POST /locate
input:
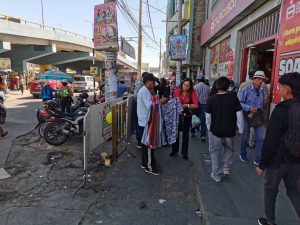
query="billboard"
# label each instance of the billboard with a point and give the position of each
(127, 48)
(106, 27)
(5, 64)
(178, 47)
(288, 44)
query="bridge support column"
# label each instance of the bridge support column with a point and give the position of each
(4, 46)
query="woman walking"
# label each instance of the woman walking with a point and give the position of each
(189, 102)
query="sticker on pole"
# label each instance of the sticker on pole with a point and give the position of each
(93, 70)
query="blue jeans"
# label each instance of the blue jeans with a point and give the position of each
(259, 138)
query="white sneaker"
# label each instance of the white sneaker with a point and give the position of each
(226, 171)
(216, 178)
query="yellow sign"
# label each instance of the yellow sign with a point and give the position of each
(93, 70)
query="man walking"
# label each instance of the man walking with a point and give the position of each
(281, 149)
(252, 101)
(202, 91)
(223, 116)
(144, 104)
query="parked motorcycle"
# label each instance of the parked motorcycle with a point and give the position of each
(64, 126)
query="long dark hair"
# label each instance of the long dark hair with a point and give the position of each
(191, 85)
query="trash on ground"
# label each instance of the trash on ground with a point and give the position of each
(3, 174)
(198, 213)
(142, 205)
(162, 201)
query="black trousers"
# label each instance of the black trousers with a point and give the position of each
(147, 159)
(290, 175)
(186, 124)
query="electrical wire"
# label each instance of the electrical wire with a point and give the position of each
(150, 20)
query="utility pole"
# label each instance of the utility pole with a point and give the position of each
(43, 22)
(178, 63)
(159, 73)
(139, 73)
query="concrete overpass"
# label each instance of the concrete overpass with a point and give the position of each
(24, 41)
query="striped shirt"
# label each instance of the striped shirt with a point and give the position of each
(202, 91)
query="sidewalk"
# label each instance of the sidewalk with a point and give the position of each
(238, 199)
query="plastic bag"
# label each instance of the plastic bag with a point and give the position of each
(195, 121)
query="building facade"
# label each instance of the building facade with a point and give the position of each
(239, 36)
(193, 16)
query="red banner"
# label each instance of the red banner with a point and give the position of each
(288, 44)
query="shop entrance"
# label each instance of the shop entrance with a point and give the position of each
(261, 58)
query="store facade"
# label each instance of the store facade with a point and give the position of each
(239, 36)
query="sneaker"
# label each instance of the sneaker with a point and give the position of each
(226, 171)
(138, 146)
(152, 171)
(4, 134)
(203, 139)
(263, 221)
(216, 178)
(143, 167)
(185, 157)
(256, 162)
(244, 158)
(193, 135)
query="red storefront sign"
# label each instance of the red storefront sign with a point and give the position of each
(224, 12)
(288, 44)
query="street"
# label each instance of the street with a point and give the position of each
(21, 118)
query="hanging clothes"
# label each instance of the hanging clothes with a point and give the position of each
(170, 115)
(153, 132)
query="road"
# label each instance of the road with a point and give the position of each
(21, 118)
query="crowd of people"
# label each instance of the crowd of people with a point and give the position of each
(227, 112)
(12, 81)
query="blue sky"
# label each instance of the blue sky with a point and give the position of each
(77, 16)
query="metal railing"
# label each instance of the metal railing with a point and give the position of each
(118, 127)
(41, 26)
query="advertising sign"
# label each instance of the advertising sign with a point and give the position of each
(5, 64)
(178, 47)
(288, 44)
(106, 27)
(127, 48)
(93, 70)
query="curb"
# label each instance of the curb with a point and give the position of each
(200, 201)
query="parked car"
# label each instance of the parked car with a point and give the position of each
(84, 82)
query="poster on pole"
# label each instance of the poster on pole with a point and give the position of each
(288, 44)
(106, 27)
(178, 47)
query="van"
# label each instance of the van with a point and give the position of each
(84, 82)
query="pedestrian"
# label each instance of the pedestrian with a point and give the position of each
(22, 84)
(252, 101)
(65, 97)
(280, 159)
(17, 78)
(232, 88)
(144, 104)
(188, 99)
(202, 91)
(223, 116)
(138, 129)
(47, 92)
(121, 89)
(2, 120)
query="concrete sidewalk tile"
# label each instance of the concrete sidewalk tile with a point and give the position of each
(238, 199)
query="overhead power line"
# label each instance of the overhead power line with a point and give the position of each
(154, 7)
(150, 20)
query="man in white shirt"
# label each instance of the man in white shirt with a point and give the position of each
(144, 104)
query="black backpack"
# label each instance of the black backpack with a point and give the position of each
(292, 136)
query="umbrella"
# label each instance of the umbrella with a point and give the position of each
(55, 75)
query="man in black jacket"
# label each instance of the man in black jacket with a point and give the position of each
(277, 163)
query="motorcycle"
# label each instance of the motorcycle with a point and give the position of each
(58, 131)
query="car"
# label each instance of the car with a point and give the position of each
(84, 82)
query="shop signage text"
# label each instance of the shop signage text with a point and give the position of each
(224, 12)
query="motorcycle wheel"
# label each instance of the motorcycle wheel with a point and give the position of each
(42, 127)
(53, 134)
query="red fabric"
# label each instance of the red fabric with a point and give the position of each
(185, 97)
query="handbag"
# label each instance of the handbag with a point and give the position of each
(193, 111)
(256, 119)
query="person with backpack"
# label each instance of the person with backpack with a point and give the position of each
(47, 92)
(65, 94)
(280, 159)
